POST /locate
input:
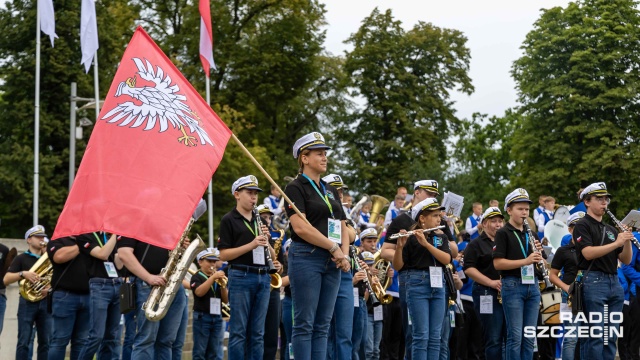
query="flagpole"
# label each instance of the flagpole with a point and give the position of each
(36, 145)
(210, 190)
(95, 84)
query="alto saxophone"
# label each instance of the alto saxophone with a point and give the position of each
(32, 291)
(276, 280)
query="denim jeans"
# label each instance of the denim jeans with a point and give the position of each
(272, 325)
(494, 328)
(71, 322)
(359, 328)
(340, 345)
(220, 346)
(249, 300)
(406, 326)
(374, 335)
(569, 341)
(32, 314)
(601, 289)
(287, 321)
(129, 334)
(154, 339)
(427, 307)
(314, 288)
(104, 309)
(176, 348)
(445, 332)
(521, 305)
(206, 330)
(3, 308)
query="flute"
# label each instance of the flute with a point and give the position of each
(409, 233)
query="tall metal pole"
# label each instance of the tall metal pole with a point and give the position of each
(95, 84)
(36, 142)
(210, 190)
(72, 135)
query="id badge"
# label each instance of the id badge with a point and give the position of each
(435, 273)
(486, 304)
(290, 351)
(258, 256)
(409, 317)
(335, 233)
(564, 308)
(452, 318)
(377, 313)
(214, 306)
(111, 269)
(356, 297)
(461, 274)
(527, 274)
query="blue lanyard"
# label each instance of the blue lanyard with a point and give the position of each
(104, 237)
(520, 243)
(324, 197)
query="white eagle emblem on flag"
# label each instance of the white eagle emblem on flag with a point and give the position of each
(161, 104)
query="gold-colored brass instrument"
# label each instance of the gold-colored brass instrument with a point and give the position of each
(276, 279)
(225, 309)
(546, 284)
(33, 291)
(378, 203)
(381, 293)
(355, 211)
(382, 266)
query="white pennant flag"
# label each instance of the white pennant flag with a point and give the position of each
(47, 19)
(88, 32)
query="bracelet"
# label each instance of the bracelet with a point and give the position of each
(334, 248)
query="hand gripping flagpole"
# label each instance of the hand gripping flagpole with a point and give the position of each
(264, 172)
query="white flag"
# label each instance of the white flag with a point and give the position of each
(47, 19)
(88, 32)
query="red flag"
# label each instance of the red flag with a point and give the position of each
(206, 36)
(151, 155)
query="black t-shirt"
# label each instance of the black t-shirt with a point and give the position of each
(4, 252)
(401, 222)
(202, 303)
(23, 262)
(88, 242)
(74, 279)
(155, 258)
(479, 254)
(236, 231)
(566, 257)
(360, 284)
(509, 244)
(309, 202)
(418, 257)
(588, 232)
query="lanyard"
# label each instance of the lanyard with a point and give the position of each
(214, 286)
(324, 190)
(32, 254)
(520, 243)
(104, 237)
(254, 231)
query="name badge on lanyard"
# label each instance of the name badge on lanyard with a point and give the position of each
(435, 273)
(527, 274)
(486, 304)
(335, 232)
(214, 306)
(377, 313)
(111, 269)
(258, 256)
(356, 297)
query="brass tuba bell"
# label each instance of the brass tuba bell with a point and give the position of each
(33, 291)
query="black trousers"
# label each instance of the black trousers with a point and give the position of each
(629, 343)
(546, 346)
(271, 326)
(392, 344)
(470, 344)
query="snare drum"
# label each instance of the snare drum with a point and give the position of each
(550, 309)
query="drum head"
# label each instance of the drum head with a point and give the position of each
(561, 214)
(554, 231)
(550, 309)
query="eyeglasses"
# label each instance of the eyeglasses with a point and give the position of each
(603, 199)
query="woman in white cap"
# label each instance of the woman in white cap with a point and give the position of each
(422, 257)
(317, 253)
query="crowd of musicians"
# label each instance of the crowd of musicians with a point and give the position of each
(317, 291)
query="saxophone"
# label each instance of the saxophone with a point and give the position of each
(32, 292)
(276, 280)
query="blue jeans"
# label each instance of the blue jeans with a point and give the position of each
(521, 305)
(494, 328)
(129, 334)
(445, 332)
(71, 322)
(287, 321)
(427, 308)
(374, 335)
(601, 289)
(206, 330)
(569, 341)
(359, 328)
(406, 326)
(104, 309)
(272, 325)
(154, 339)
(340, 345)
(176, 348)
(249, 300)
(32, 314)
(3, 308)
(314, 288)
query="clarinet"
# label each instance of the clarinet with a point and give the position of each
(372, 294)
(540, 265)
(622, 228)
(448, 275)
(267, 253)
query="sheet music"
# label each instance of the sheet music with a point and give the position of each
(453, 203)
(632, 219)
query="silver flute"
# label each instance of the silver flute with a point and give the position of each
(622, 228)
(409, 233)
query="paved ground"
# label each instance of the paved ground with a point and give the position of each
(9, 337)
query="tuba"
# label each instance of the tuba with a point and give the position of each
(378, 203)
(32, 292)
(161, 297)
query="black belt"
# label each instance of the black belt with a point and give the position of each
(253, 269)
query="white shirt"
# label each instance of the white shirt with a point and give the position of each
(469, 227)
(540, 221)
(267, 201)
(536, 214)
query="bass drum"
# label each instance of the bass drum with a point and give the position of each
(554, 231)
(550, 309)
(562, 214)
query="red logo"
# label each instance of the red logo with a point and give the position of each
(53, 248)
(494, 248)
(86, 245)
(193, 285)
(579, 238)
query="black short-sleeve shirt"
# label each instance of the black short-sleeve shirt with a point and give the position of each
(202, 303)
(74, 279)
(417, 257)
(479, 254)
(236, 231)
(401, 222)
(588, 232)
(4, 252)
(565, 258)
(88, 242)
(360, 284)
(507, 246)
(23, 262)
(309, 202)
(154, 260)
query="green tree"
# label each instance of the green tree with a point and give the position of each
(60, 66)
(404, 78)
(578, 84)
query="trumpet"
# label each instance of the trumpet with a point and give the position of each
(621, 227)
(225, 309)
(540, 265)
(409, 233)
(372, 293)
(222, 282)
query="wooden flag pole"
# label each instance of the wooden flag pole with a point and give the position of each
(264, 172)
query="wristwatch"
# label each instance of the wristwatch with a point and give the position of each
(20, 273)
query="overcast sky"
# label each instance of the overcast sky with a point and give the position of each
(495, 29)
